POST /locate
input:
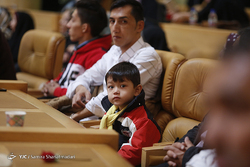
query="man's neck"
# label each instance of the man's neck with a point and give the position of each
(85, 38)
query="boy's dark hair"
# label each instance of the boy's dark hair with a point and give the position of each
(94, 14)
(137, 10)
(122, 71)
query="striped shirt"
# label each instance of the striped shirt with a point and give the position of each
(140, 53)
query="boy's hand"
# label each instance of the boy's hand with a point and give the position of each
(81, 92)
(175, 152)
(49, 88)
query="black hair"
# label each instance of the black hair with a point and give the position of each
(122, 71)
(137, 10)
(94, 14)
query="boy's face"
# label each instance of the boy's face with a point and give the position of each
(121, 93)
(124, 29)
(76, 28)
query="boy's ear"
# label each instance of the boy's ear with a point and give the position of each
(138, 89)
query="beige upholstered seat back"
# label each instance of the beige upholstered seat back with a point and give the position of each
(171, 62)
(189, 91)
(40, 56)
(41, 53)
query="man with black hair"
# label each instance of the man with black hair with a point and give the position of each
(128, 115)
(126, 24)
(88, 20)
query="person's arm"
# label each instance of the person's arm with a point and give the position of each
(191, 134)
(80, 88)
(81, 114)
(189, 154)
(60, 91)
(176, 151)
(203, 14)
(142, 137)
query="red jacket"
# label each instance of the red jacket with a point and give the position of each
(136, 128)
(81, 60)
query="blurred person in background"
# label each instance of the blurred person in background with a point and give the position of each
(229, 126)
(152, 33)
(21, 23)
(69, 46)
(195, 140)
(5, 19)
(228, 122)
(226, 10)
(7, 71)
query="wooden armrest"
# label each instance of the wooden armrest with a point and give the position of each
(163, 143)
(152, 156)
(35, 93)
(91, 124)
(14, 85)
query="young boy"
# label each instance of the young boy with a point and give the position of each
(128, 115)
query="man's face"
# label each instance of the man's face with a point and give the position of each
(229, 119)
(124, 29)
(75, 28)
(64, 21)
(120, 93)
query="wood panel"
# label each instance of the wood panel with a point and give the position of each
(59, 135)
(36, 106)
(87, 155)
(14, 85)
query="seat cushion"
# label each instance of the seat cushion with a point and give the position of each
(33, 81)
(178, 128)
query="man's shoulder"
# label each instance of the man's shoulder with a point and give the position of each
(147, 49)
(147, 53)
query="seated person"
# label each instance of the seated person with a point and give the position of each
(7, 71)
(235, 40)
(228, 131)
(126, 25)
(5, 19)
(69, 46)
(152, 33)
(128, 115)
(88, 20)
(228, 122)
(21, 23)
(196, 137)
(226, 10)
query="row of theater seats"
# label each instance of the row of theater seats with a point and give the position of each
(46, 48)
